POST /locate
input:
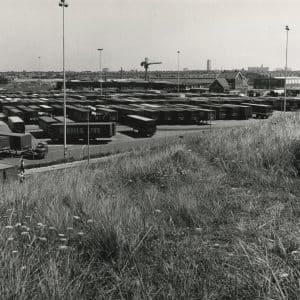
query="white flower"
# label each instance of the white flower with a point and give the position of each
(76, 217)
(80, 233)
(70, 228)
(18, 224)
(10, 239)
(24, 233)
(89, 221)
(14, 251)
(43, 239)
(61, 235)
(158, 211)
(63, 247)
(9, 227)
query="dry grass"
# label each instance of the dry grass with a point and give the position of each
(214, 216)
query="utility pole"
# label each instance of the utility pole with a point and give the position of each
(63, 4)
(178, 53)
(286, 58)
(100, 51)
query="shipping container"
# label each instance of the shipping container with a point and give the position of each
(144, 126)
(16, 124)
(79, 131)
(18, 141)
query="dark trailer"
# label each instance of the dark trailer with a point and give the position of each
(29, 114)
(260, 110)
(144, 126)
(79, 131)
(18, 141)
(12, 111)
(16, 124)
(45, 122)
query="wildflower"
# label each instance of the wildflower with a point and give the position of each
(43, 239)
(24, 227)
(61, 235)
(18, 224)
(9, 227)
(10, 239)
(295, 252)
(70, 228)
(23, 268)
(158, 211)
(198, 229)
(64, 240)
(24, 233)
(14, 251)
(63, 247)
(283, 275)
(40, 224)
(76, 217)
(216, 245)
(52, 228)
(80, 233)
(89, 221)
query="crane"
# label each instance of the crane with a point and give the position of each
(146, 65)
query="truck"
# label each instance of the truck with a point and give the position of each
(18, 141)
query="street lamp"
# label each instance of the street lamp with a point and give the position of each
(63, 4)
(90, 108)
(100, 51)
(40, 75)
(178, 53)
(286, 57)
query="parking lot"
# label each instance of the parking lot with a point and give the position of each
(124, 140)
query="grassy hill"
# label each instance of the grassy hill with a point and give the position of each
(214, 216)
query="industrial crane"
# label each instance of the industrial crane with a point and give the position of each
(146, 65)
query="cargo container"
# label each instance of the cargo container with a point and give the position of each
(4, 143)
(29, 115)
(16, 124)
(60, 119)
(260, 110)
(18, 141)
(45, 122)
(144, 126)
(79, 131)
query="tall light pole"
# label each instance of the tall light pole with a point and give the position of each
(63, 4)
(178, 53)
(39, 66)
(100, 51)
(286, 57)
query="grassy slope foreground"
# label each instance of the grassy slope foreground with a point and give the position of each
(214, 216)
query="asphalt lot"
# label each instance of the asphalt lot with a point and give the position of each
(124, 140)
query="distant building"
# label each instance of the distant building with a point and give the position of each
(260, 69)
(208, 65)
(219, 85)
(235, 79)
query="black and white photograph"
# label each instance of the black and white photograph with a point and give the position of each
(150, 149)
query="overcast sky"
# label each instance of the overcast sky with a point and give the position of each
(232, 33)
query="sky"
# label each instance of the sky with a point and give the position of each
(232, 33)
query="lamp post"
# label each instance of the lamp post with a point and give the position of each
(286, 57)
(39, 66)
(100, 51)
(91, 110)
(178, 53)
(63, 4)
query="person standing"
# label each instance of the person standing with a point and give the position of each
(22, 165)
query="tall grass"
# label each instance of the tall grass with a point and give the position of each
(214, 216)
